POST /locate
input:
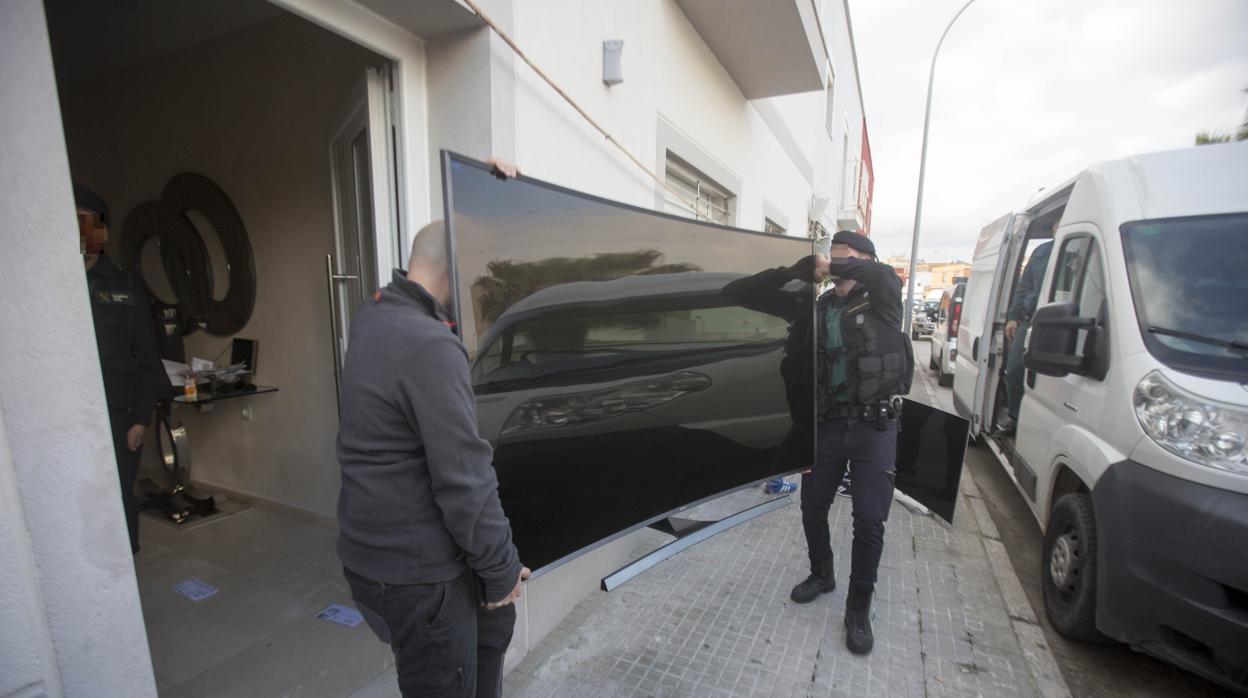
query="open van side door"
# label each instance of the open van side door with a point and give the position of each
(980, 343)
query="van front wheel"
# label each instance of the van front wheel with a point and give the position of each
(1068, 569)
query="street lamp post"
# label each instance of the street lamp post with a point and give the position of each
(908, 316)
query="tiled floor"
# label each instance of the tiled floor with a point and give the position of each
(716, 620)
(258, 635)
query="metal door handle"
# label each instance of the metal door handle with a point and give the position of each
(1070, 407)
(342, 277)
(330, 278)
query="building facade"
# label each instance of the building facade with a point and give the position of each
(767, 134)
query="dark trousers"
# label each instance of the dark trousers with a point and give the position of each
(1015, 372)
(444, 642)
(127, 472)
(870, 455)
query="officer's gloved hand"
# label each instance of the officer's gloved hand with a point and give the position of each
(811, 268)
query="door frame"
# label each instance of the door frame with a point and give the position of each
(372, 96)
(409, 139)
(367, 107)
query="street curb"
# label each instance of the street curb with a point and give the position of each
(1027, 631)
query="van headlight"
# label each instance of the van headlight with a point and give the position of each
(1191, 427)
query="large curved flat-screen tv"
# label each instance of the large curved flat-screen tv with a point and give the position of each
(616, 380)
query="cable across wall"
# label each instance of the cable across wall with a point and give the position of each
(675, 194)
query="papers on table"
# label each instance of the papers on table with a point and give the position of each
(203, 370)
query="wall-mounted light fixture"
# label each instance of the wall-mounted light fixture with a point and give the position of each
(612, 73)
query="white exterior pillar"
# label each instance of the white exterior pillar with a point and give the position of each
(69, 605)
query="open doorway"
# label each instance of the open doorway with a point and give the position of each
(1020, 301)
(265, 144)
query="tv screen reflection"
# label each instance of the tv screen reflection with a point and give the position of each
(616, 380)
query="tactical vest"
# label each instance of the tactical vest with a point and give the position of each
(878, 359)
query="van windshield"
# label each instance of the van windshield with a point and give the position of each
(1189, 278)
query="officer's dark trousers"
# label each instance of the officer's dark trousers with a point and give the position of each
(127, 472)
(870, 455)
(1015, 371)
(444, 642)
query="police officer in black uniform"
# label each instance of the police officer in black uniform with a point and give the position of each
(126, 338)
(862, 361)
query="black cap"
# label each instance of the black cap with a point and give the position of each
(85, 198)
(857, 241)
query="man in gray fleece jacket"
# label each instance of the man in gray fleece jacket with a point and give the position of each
(426, 548)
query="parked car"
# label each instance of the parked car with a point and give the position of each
(1131, 438)
(944, 335)
(924, 321)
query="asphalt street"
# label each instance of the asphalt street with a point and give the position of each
(1089, 669)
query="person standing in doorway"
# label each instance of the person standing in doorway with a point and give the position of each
(125, 335)
(1018, 319)
(425, 546)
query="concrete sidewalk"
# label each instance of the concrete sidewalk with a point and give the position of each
(716, 620)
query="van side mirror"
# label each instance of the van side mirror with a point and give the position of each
(1052, 350)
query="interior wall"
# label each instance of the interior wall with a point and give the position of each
(253, 111)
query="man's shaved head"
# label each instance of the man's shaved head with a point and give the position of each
(429, 247)
(428, 264)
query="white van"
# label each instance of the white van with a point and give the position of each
(1132, 438)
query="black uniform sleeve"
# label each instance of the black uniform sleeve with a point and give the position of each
(764, 292)
(151, 375)
(437, 394)
(880, 279)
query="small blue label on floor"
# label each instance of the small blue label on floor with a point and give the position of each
(342, 615)
(194, 589)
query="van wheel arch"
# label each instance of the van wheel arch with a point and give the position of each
(1066, 482)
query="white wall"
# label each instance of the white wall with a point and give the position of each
(70, 621)
(847, 112)
(847, 107)
(669, 74)
(253, 111)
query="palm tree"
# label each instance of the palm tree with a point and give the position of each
(1208, 137)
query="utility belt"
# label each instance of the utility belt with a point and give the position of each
(880, 412)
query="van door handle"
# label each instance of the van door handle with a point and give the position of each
(1070, 407)
(975, 350)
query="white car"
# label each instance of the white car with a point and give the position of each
(944, 336)
(1132, 437)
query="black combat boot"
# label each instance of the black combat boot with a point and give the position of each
(819, 582)
(858, 636)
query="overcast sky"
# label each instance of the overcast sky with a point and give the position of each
(1027, 93)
